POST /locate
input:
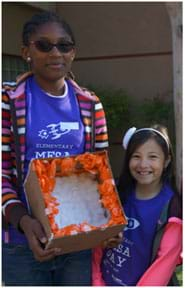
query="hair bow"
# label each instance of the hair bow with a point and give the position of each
(128, 135)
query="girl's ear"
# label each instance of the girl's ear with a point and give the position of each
(73, 54)
(167, 162)
(25, 53)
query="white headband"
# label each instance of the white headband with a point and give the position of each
(130, 132)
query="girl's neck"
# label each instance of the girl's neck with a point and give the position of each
(147, 191)
(52, 87)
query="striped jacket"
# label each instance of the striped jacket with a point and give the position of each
(13, 208)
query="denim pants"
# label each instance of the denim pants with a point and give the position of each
(21, 269)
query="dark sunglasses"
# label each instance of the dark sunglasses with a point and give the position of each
(46, 46)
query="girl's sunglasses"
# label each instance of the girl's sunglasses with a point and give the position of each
(46, 46)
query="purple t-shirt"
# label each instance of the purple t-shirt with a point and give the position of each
(124, 265)
(53, 129)
(54, 125)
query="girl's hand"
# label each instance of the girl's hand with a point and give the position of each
(113, 242)
(37, 238)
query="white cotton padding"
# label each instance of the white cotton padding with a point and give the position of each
(79, 201)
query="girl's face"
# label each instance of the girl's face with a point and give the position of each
(147, 163)
(54, 64)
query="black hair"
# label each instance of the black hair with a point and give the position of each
(37, 20)
(126, 182)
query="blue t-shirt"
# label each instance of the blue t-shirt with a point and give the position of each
(124, 265)
(54, 127)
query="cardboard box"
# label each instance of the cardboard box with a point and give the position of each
(75, 199)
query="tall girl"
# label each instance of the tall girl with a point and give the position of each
(55, 117)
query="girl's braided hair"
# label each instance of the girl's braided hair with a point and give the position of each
(37, 20)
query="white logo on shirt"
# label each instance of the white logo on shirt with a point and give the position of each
(55, 131)
(132, 224)
(116, 279)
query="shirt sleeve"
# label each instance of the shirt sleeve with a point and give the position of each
(101, 135)
(97, 279)
(168, 256)
(13, 208)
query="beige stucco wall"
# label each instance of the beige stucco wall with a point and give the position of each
(116, 28)
(108, 29)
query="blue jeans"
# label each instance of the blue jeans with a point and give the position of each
(21, 269)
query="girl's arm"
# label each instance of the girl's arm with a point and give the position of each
(168, 257)
(97, 279)
(100, 125)
(13, 208)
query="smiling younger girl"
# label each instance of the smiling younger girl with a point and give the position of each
(152, 240)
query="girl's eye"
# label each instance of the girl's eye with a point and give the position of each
(135, 156)
(153, 156)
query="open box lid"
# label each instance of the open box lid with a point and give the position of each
(36, 201)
